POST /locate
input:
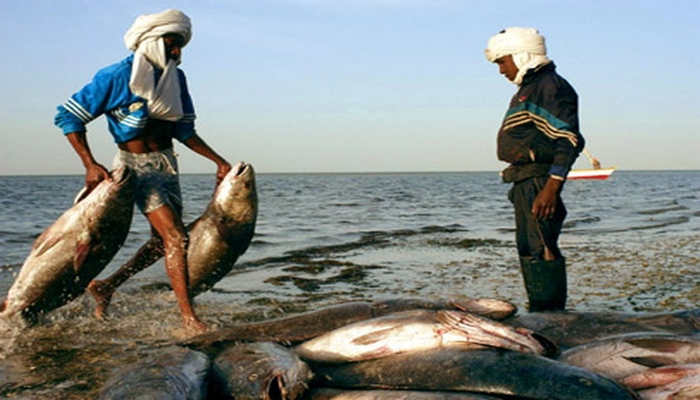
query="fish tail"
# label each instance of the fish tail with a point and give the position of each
(490, 333)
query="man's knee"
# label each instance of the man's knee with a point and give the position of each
(174, 238)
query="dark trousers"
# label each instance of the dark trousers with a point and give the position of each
(545, 281)
(531, 235)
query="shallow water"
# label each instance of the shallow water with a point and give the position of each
(631, 245)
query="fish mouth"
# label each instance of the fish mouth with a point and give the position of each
(240, 168)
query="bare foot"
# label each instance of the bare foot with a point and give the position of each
(102, 293)
(194, 325)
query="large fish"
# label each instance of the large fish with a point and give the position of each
(412, 331)
(74, 249)
(298, 328)
(225, 230)
(216, 239)
(259, 371)
(623, 355)
(491, 372)
(571, 329)
(171, 373)
(484, 307)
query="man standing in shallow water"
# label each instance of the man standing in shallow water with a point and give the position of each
(146, 102)
(540, 139)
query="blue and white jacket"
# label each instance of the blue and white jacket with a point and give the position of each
(126, 113)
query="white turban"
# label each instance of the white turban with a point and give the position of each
(145, 39)
(513, 41)
(526, 45)
(153, 26)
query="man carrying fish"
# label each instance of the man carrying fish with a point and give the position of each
(540, 139)
(147, 104)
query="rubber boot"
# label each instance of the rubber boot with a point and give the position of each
(545, 283)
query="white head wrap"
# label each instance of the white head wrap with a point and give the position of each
(145, 39)
(526, 45)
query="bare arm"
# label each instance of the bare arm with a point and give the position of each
(94, 172)
(196, 144)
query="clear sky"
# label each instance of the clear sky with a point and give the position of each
(362, 85)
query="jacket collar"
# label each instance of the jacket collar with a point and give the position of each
(535, 73)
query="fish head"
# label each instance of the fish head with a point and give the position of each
(237, 196)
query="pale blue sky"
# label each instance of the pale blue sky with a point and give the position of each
(362, 85)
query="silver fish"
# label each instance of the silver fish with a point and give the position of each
(491, 372)
(74, 249)
(297, 328)
(216, 239)
(225, 230)
(623, 355)
(171, 373)
(259, 371)
(412, 331)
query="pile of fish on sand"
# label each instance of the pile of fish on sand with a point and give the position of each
(428, 350)
(71, 252)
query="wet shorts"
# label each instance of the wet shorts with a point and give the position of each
(157, 182)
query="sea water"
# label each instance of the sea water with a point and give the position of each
(631, 244)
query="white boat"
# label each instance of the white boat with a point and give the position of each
(600, 173)
(594, 173)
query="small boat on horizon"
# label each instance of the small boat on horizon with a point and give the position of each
(594, 173)
(600, 173)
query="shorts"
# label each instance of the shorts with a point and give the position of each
(157, 181)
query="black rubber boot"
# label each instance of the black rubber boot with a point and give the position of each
(545, 283)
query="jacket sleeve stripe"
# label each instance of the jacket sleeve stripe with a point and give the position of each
(76, 109)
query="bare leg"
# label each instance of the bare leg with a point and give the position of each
(548, 254)
(171, 229)
(102, 290)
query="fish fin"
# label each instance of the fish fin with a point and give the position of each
(654, 344)
(652, 361)
(222, 230)
(235, 234)
(373, 337)
(81, 254)
(46, 242)
(551, 349)
(83, 193)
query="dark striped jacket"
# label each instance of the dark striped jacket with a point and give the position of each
(540, 132)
